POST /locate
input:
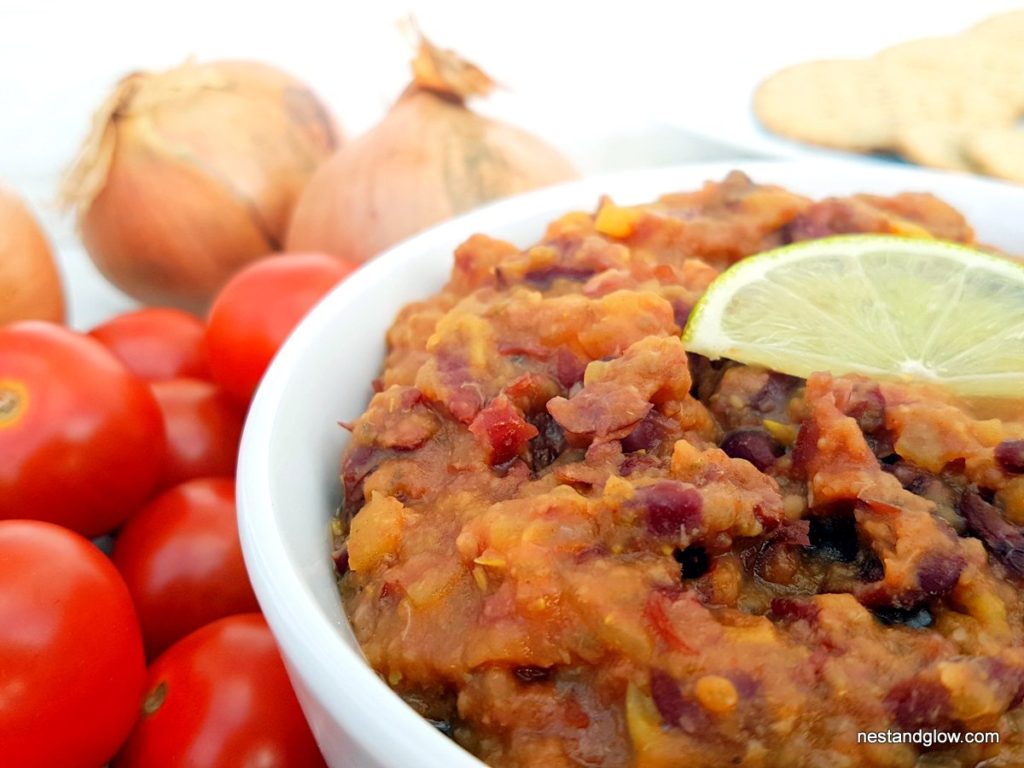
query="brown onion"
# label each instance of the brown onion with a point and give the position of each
(190, 174)
(427, 160)
(29, 281)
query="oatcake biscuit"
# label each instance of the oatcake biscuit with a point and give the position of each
(834, 103)
(998, 152)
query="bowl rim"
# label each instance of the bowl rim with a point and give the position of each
(336, 675)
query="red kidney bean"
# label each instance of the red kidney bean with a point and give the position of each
(776, 392)
(792, 609)
(671, 506)
(549, 442)
(753, 445)
(1010, 456)
(985, 521)
(676, 710)
(648, 434)
(938, 573)
(916, 704)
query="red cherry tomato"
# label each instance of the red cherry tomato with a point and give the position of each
(257, 310)
(71, 660)
(81, 439)
(156, 343)
(203, 426)
(220, 698)
(182, 561)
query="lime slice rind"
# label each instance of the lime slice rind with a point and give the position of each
(887, 307)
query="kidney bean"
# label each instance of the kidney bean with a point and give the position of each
(1010, 456)
(357, 464)
(776, 392)
(753, 445)
(549, 442)
(984, 520)
(543, 278)
(792, 609)
(938, 573)
(916, 704)
(797, 532)
(867, 407)
(667, 697)
(340, 557)
(670, 506)
(648, 434)
(806, 446)
(676, 710)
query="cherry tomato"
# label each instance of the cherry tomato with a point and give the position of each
(81, 438)
(156, 343)
(220, 698)
(257, 310)
(182, 561)
(203, 426)
(71, 660)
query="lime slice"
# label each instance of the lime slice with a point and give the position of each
(887, 307)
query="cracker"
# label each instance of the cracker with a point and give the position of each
(917, 97)
(1000, 40)
(833, 103)
(998, 152)
(1007, 28)
(925, 53)
(921, 98)
(936, 145)
(960, 54)
(953, 80)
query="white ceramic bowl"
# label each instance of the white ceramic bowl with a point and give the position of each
(288, 470)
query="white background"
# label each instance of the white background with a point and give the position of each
(616, 84)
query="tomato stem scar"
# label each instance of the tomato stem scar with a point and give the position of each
(154, 699)
(13, 401)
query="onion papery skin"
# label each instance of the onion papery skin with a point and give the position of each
(192, 173)
(429, 159)
(30, 284)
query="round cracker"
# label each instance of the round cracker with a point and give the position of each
(923, 53)
(917, 96)
(833, 103)
(1005, 27)
(997, 152)
(954, 80)
(960, 54)
(936, 145)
